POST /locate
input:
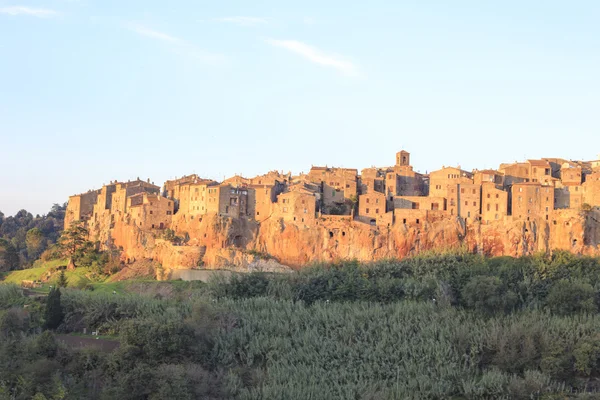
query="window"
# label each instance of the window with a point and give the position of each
(367, 210)
(462, 191)
(488, 196)
(497, 207)
(474, 204)
(377, 211)
(257, 213)
(150, 211)
(305, 211)
(466, 203)
(404, 220)
(497, 196)
(534, 170)
(417, 221)
(168, 212)
(368, 200)
(284, 209)
(152, 226)
(488, 207)
(474, 191)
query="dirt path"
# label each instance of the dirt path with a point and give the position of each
(80, 342)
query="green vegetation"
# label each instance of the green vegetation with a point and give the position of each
(433, 327)
(24, 238)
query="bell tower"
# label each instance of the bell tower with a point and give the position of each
(403, 158)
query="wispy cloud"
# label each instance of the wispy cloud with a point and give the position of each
(243, 21)
(34, 12)
(317, 56)
(177, 45)
(144, 31)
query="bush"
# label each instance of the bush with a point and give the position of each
(488, 294)
(566, 297)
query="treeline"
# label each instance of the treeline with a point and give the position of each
(562, 283)
(23, 237)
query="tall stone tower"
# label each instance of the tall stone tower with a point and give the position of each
(403, 158)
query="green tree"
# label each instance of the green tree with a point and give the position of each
(62, 280)
(35, 243)
(566, 297)
(488, 294)
(9, 257)
(74, 243)
(53, 314)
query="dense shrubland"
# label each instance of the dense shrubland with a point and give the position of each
(452, 326)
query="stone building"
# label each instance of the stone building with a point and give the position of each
(262, 197)
(531, 200)
(571, 174)
(80, 207)
(440, 180)
(150, 211)
(297, 206)
(123, 190)
(515, 173)
(464, 200)
(337, 186)
(371, 206)
(192, 197)
(488, 176)
(494, 202)
(227, 200)
(419, 203)
(592, 189)
(372, 180)
(540, 171)
(570, 196)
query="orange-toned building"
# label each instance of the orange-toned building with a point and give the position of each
(494, 202)
(531, 200)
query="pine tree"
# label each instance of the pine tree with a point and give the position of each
(54, 312)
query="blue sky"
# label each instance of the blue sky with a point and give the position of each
(92, 91)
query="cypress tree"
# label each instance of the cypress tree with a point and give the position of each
(54, 312)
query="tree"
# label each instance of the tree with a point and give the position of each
(569, 297)
(35, 242)
(53, 314)
(73, 242)
(62, 280)
(9, 257)
(487, 294)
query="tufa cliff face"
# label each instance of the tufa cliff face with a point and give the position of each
(216, 242)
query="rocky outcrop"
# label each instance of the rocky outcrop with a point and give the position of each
(215, 242)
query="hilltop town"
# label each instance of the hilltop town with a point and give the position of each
(524, 200)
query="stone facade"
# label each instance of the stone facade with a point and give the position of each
(345, 205)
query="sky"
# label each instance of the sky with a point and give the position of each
(98, 90)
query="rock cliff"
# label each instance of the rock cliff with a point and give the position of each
(215, 242)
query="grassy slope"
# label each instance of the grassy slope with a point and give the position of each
(76, 278)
